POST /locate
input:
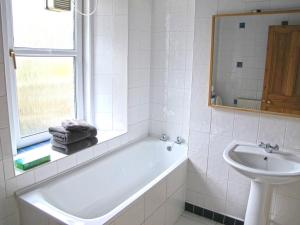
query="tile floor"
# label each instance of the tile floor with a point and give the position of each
(191, 219)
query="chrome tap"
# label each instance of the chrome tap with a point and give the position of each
(179, 140)
(268, 147)
(164, 137)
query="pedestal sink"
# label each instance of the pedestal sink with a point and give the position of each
(265, 170)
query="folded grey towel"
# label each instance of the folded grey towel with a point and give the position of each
(63, 136)
(73, 125)
(74, 147)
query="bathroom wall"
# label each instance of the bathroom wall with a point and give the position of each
(110, 67)
(177, 109)
(139, 18)
(211, 183)
(171, 67)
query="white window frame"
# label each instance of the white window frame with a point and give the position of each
(7, 22)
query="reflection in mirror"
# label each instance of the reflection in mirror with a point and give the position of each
(256, 61)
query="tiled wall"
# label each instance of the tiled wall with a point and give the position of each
(139, 26)
(178, 102)
(139, 60)
(211, 183)
(162, 204)
(110, 65)
(171, 66)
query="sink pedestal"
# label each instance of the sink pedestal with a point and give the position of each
(259, 204)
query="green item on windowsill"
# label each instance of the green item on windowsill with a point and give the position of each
(32, 160)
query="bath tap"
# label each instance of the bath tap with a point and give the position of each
(164, 137)
(268, 147)
(179, 140)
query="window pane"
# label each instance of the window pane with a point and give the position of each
(36, 27)
(46, 92)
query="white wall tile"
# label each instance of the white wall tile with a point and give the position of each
(222, 122)
(196, 182)
(235, 208)
(5, 141)
(286, 210)
(105, 8)
(236, 177)
(238, 191)
(195, 198)
(272, 129)
(292, 140)
(120, 7)
(11, 186)
(2, 182)
(9, 169)
(3, 113)
(290, 190)
(200, 123)
(8, 207)
(172, 38)
(215, 204)
(246, 126)
(198, 141)
(160, 41)
(231, 6)
(2, 79)
(1, 46)
(12, 219)
(206, 8)
(276, 4)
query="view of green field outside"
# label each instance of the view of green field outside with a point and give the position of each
(45, 92)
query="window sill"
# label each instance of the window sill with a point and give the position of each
(54, 155)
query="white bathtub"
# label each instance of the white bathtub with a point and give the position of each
(99, 191)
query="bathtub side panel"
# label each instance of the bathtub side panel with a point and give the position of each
(30, 215)
(176, 179)
(168, 212)
(175, 206)
(176, 194)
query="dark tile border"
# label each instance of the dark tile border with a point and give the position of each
(217, 217)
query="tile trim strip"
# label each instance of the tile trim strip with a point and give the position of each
(208, 214)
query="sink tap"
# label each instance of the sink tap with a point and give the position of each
(268, 147)
(164, 137)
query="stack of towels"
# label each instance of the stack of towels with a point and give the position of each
(72, 136)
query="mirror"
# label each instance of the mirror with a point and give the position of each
(255, 64)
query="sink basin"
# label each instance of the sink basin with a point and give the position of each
(264, 169)
(253, 162)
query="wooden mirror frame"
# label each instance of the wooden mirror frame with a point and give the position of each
(213, 35)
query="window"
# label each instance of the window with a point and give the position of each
(48, 76)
